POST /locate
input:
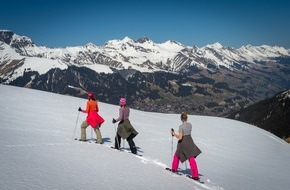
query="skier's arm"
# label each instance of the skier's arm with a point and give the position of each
(80, 109)
(86, 110)
(120, 115)
(178, 136)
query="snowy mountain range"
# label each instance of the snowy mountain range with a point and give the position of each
(142, 54)
(38, 150)
(218, 78)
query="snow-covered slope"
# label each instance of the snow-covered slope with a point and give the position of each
(38, 151)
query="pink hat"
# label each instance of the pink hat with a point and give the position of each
(122, 101)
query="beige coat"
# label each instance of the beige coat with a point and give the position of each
(125, 129)
(186, 148)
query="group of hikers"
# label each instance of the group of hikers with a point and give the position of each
(186, 148)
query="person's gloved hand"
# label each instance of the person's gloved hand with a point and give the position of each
(172, 132)
(80, 109)
(114, 120)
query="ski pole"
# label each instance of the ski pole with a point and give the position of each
(116, 138)
(186, 168)
(76, 125)
(91, 133)
(171, 146)
(172, 130)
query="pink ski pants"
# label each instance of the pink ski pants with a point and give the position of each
(192, 162)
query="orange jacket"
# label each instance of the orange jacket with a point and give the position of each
(92, 106)
(93, 118)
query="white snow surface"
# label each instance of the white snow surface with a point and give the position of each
(38, 151)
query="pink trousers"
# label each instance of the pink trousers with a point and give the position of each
(192, 162)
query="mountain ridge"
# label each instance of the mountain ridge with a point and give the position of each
(131, 53)
(165, 77)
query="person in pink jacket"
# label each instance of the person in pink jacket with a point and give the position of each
(125, 129)
(93, 118)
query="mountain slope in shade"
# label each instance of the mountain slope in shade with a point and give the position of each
(271, 114)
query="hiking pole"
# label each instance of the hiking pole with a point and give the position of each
(186, 168)
(91, 133)
(172, 130)
(116, 138)
(76, 124)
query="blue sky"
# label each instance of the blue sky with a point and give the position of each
(77, 22)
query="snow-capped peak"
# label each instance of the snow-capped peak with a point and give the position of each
(216, 45)
(127, 40)
(21, 39)
(90, 45)
(143, 40)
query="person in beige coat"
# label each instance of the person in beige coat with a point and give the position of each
(125, 129)
(186, 148)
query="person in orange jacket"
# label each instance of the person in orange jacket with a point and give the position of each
(93, 118)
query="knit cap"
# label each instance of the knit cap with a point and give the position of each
(122, 101)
